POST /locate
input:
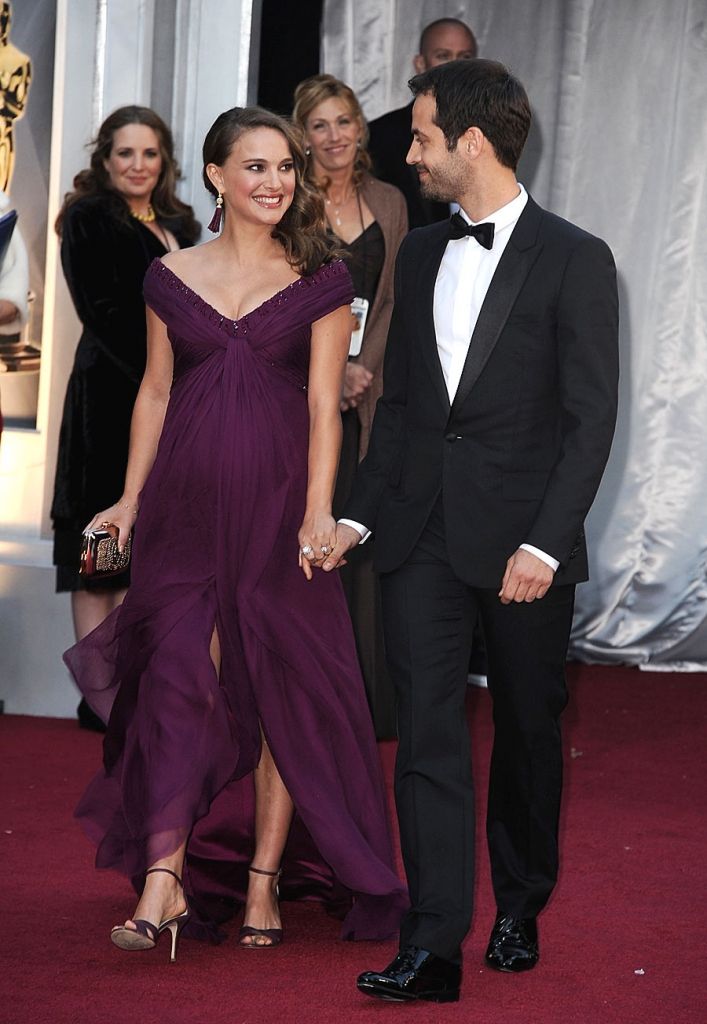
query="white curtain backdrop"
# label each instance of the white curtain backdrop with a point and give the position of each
(619, 146)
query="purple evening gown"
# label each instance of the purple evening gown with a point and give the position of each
(215, 544)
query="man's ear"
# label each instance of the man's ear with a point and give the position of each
(472, 142)
(419, 64)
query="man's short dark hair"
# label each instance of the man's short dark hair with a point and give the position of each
(428, 29)
(483, 94)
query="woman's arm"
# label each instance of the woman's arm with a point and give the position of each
(145, 428)
(394, 223)
(104, 264)
(329, 349)
(390, 210)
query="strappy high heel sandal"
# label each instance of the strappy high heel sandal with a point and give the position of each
(274, 934)
(145, 934)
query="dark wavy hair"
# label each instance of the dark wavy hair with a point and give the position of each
(313, 91)
(302, 230)
(478, 93)
(94, 180)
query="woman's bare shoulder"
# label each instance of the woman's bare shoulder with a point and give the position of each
(182, 259)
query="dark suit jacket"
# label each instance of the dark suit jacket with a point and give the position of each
(390, 138)
(519, 455)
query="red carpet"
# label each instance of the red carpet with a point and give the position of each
(623, 939)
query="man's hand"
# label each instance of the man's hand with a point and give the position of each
(527, 578)
(346, 538)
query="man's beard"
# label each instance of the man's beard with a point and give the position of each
(438, 191)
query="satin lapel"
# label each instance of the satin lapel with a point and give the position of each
(427, 276)
(513, 268)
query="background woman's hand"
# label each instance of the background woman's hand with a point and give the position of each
(123, 515)
(357, 380)
(317, 537)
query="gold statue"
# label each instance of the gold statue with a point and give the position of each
(15, 77)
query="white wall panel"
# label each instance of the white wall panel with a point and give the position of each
(108, 53)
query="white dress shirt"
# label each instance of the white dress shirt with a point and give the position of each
(463, 279)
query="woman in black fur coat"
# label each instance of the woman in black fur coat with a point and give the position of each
(122, 213)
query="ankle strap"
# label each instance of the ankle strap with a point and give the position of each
(166, 872)
(259, 871)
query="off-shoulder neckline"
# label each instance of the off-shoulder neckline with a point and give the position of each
(326, 270)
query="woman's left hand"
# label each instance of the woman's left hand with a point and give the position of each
(317, 537)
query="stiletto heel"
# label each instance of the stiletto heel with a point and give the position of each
(273, 934)
(145, 934)
(175, 926)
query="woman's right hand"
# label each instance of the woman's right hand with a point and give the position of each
(123, 515)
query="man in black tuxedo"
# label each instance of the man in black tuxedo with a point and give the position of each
(484, 460)
(389, 136)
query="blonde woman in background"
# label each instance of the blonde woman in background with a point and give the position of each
(369, 219)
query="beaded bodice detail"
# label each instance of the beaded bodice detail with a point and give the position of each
(296, 291)
(278, 331)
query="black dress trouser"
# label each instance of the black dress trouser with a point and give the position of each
(428, 615)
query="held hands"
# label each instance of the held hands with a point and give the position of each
(317, 537)
(527, 578)
(123, 515)
(346, 539)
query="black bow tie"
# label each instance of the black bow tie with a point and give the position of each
(483, 233)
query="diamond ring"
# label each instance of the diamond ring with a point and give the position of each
(307, 549)
(325, 549)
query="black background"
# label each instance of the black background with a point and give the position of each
(289, 50)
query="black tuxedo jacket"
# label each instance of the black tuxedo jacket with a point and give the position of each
(390, 138)
(519, 454)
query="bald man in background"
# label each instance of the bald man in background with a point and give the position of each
(390, 135)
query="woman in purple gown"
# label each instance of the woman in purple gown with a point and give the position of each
(229, 676)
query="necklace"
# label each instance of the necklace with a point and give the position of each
(145, 218)
(338, 207)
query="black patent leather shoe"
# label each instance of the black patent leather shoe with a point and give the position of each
(513, 945)
(414, 974)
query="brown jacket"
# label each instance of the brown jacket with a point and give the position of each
(387, 205)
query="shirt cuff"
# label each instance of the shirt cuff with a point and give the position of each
(365, 533)
(543, 556)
